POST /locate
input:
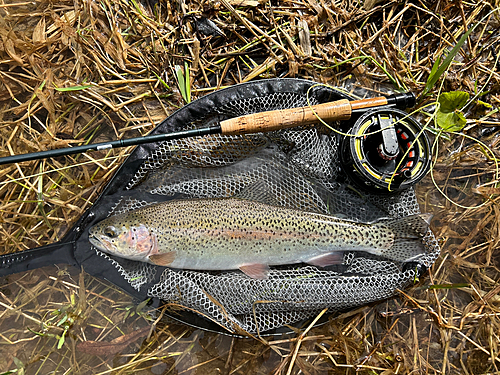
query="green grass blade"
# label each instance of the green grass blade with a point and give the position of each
(72, 88)
(434, 68)
(449, 286)
(436, 72)
(162, 81)
(188, 82)
(184, 88)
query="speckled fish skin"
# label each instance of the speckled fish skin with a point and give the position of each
(226, 234)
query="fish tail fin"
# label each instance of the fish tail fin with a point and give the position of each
(408, 233)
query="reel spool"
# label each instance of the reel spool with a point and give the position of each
(370, 160)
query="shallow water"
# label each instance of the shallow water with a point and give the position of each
(38, 300)
(449, 321)
(400, 334)
(449, 327)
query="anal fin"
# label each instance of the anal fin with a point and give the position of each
(255, 270)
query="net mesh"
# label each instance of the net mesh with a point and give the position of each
(297, 168)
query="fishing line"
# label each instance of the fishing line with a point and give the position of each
(370, 172)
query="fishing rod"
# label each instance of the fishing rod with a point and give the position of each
(339, 110)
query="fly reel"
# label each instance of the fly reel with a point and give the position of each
(385, 144)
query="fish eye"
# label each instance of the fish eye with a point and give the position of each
(111, 231)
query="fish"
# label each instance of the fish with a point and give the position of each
(234, 233)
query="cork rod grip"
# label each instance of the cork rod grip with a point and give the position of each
(286, 118)
(368, 103)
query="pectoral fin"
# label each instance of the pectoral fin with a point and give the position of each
(324, 260)
(255, 270)
(163, 259)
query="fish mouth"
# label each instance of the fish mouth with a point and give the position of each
(96, 241)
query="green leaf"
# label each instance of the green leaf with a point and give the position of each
(451, 101)
(60, 343)
(449, 117)
(18, 362)
(141, 306)
(19, 365)
(487, 105)
(64, 318)
(451, 121)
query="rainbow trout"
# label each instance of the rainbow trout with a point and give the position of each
(231, 233)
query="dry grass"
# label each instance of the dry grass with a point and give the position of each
(86, 71)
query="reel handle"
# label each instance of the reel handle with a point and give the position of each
(288, 118)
